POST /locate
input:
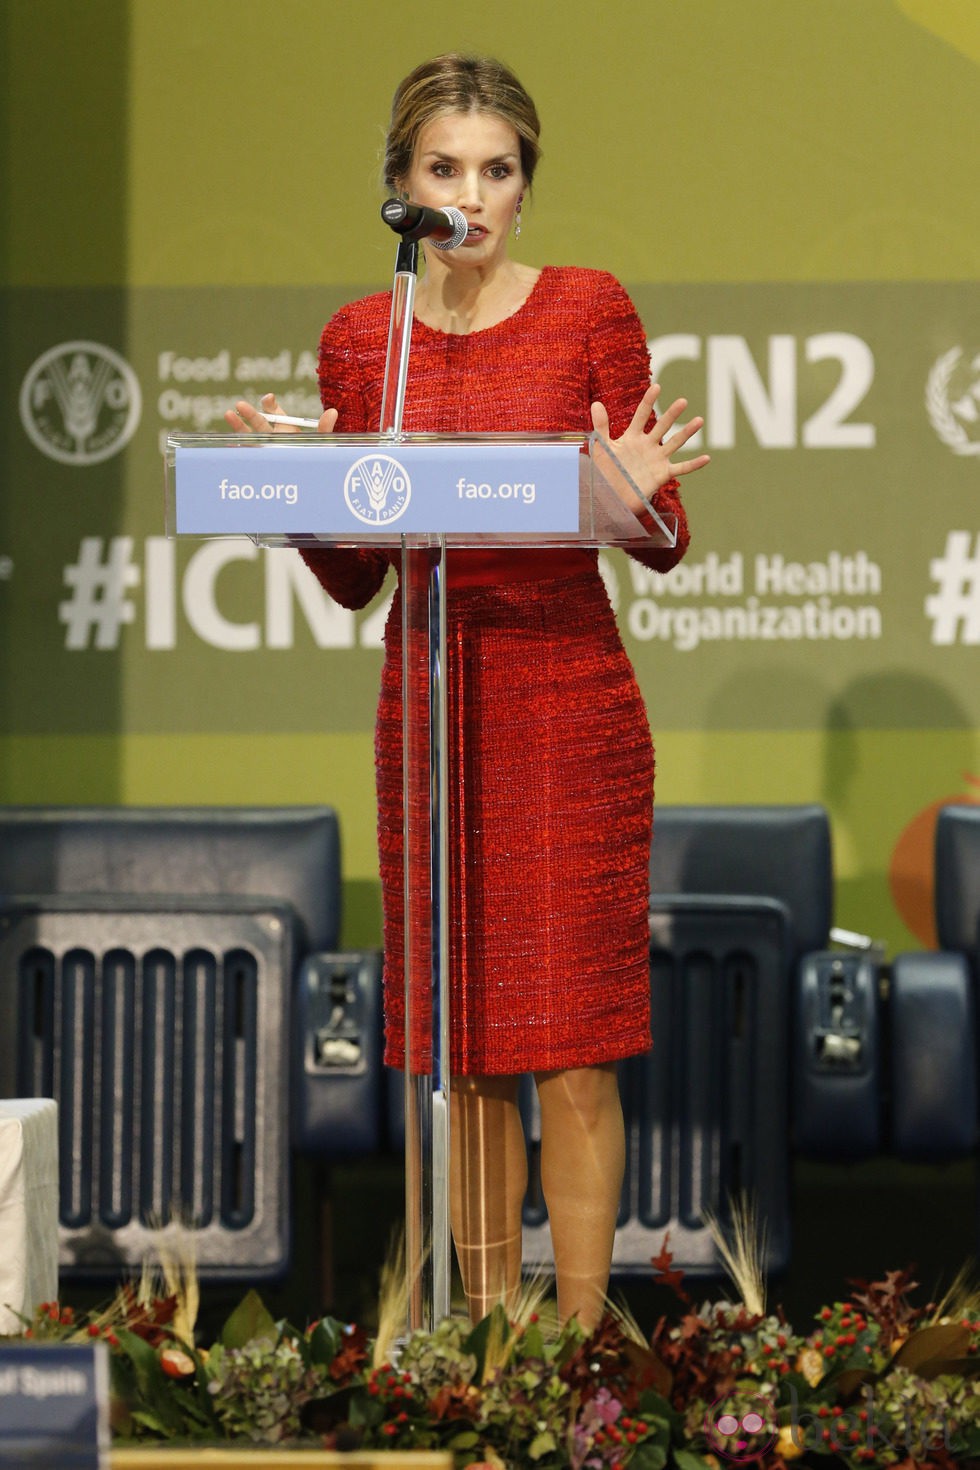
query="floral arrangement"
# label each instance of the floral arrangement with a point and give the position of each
(876, 1380)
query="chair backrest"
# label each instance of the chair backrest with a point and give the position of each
(290, 854)
(147, 963)
(777, 852)
(958, 878)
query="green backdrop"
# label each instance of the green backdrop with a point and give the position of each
(788, 189)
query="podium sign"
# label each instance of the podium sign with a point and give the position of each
(357, 490)
(54, 1406)
(423, 493)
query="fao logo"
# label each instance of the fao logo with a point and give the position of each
(80, 403)
(953, 400)
(377, 489)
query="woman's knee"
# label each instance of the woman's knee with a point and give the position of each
(502, 1089)
(589, 1094)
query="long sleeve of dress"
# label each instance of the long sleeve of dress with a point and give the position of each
(619, 375)
(351, 575)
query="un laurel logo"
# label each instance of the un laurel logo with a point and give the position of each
(80, 403)
(377, 489)
(952, 399)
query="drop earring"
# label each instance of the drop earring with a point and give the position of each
(517, 218)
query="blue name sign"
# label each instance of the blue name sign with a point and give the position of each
(54, 1406)
(358, 491)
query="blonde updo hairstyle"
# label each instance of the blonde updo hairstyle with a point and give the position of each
(457, 83)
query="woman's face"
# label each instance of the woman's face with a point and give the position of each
(470, 161)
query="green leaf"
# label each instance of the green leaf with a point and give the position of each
(154, 1388)
(541, 1444)
(325, 1340)
(249, 1320)
(794, 1388)
(688, 1460)
(966, 1441)
(197, 1407)
(532, 1342)
(148, 1421)
(653, 1405)
(649, 1456)
(495, 1324)
(467, 1440)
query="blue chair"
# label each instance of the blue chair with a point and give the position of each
(172, 980)
(739, 897)
(933, 1010)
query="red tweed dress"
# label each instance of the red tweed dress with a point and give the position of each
(551, 760)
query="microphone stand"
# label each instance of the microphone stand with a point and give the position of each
(428, 1246)
(399, 337)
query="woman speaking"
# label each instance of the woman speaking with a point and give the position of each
(550, 755)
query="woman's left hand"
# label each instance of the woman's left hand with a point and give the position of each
(648, 457)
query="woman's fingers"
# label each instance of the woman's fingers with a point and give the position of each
(677, 441)
(688, 466)
(246, 418)
(644, 409)
(669, 417)
(270, 404)
(681, 435)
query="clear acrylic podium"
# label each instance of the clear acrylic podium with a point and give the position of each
(421, 495)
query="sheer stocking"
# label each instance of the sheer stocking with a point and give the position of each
(583, 1155)
(487, 1181)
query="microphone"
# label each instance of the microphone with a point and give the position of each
(446, 228)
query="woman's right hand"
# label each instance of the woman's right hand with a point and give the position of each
(245, 418)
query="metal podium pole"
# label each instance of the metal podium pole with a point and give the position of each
(426, 852)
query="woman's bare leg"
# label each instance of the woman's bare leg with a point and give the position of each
(583, 1155)
(487, 1183)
